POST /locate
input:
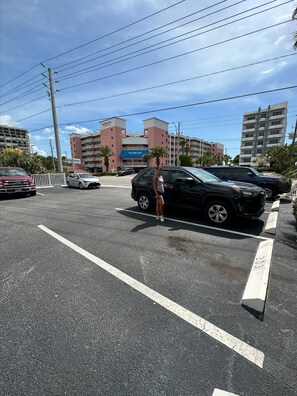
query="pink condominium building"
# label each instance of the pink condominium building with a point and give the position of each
(128, 149)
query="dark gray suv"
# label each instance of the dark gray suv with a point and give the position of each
(197, 189)
(272, 184)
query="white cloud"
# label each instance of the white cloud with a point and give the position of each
(7, 120)
(269, 71)
(35, 149)
(76, 129)
(280, 40)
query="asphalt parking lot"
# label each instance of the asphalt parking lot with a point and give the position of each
(97, 298)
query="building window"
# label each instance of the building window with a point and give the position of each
(275, 113)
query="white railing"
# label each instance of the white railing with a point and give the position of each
(49, 179)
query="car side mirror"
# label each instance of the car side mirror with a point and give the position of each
(250, 174)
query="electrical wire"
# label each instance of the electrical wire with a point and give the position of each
(152, 49)
(181, 81)
(150, 31)
(23, 85)
(179, 107)
(33, 115)
(32, 90)
(177, 56)
(92, 41)
(114, 31)
(33, 100)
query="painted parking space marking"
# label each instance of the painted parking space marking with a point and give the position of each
(240, 347)
(195, 224)
(254, 295)
(110, 185)
(219, 392)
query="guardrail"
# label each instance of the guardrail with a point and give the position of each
(49, 179)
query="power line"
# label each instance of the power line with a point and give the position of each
(177, 56)
(180, 106)
(114, 31)
(32, 90)
(33, 100)
(150, 31)
(34, 115)
(135, 54)
(92, 41)
(181, 81)
(22, 86)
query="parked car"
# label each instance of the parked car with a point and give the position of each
(272, 184)
(197, 189)
(82, 180)
(16, 181)
(125, 171)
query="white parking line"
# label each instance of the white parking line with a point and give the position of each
(109, 185)
(219, 392)
(245, 350)
(195, 224)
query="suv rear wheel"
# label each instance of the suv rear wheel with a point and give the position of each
(218, 212)
(269, 192)
(144, 201)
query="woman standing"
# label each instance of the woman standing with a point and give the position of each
(159, 191)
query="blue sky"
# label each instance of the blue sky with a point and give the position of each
(141, 58)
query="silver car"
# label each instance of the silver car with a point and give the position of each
(83, 180)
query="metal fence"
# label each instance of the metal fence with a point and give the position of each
(49, 179)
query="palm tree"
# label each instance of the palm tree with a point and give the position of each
(158, 152)
(185, 148)
(106, 152)
(294, 16)
(146, 158)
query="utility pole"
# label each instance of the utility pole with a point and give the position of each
(293, 140)
(57, 138)
(53, 159)
(177, 129)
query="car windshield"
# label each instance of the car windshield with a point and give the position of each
(257, 173)
(13, 172)
(203, 175)
(85, 175)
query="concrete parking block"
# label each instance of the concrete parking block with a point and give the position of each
(254, 295)
(271, 223)
(275, 206)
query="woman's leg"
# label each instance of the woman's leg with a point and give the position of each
(161, 206)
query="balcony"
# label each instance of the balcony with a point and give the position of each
(245, 155)
(247, 139)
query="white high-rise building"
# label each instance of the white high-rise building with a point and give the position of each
(11, 137)
(262, 129)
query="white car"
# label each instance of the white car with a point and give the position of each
(82, 180)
